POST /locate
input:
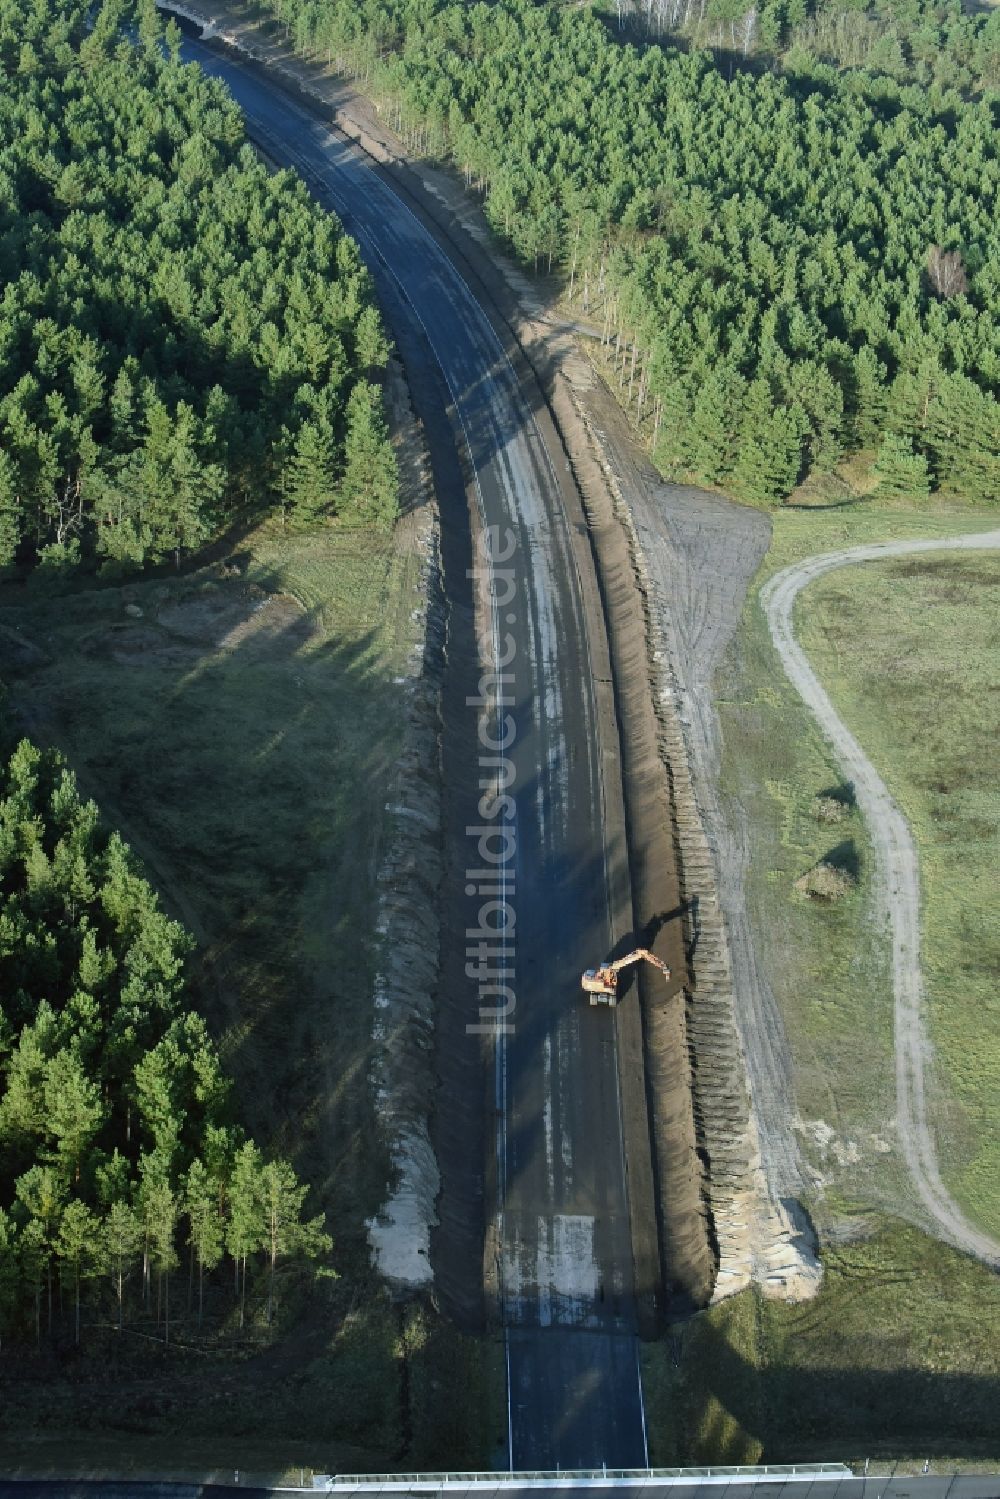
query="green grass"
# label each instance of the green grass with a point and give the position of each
(695, 1416)
(385, 1388)
(910, 652)
(242, 727)
(897, 1358)
(827, 964)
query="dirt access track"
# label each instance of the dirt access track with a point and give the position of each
(897, 883)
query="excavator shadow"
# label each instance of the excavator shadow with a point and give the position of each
(642, 941)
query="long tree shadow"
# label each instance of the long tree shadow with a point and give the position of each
(245, 748)
(844, 1411)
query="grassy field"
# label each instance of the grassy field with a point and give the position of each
(898, 1355)
(827, 964)
(910, 652)
(897, 1358)
(241, 725)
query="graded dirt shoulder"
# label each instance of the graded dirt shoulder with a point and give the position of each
(694, 556)
(897, 877)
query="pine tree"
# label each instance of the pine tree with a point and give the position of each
(67, 811)
(245, 1230)
(150, 26)
(112, 1178)
(911, 396)
(208, 1087)
(900, 472)
(76, 1248)
(369, 489)
(868, 400)
(282, 1197)
(370, 341)
(183, 490)
(814, 389)
(770, 456)
(161, 1209)
(9, 1278)
(122, 408)
(715, 421)
(41, 1194)
(205, 1227)
(97, 965)
(671, 429)
(23, 1114)
(117, 498)
(34, 1257)
(71, 878)
(963, 438)
(158, 1085)
(11, 515)
(74, 1111)
(174, 38)
(122, 1237)
(307, 481)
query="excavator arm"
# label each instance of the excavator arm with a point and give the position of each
(601, 984)
(636, 957)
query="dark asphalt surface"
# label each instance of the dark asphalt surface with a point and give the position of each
(565, 1268)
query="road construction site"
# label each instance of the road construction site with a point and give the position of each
(566, 1245)
(582, 1174)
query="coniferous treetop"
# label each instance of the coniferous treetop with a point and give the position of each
(172, 315)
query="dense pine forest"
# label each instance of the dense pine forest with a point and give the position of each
(938, 44)
(185, 339)
(120, 1158)
(792, 268)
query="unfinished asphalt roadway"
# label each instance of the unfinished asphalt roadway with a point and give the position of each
(549, 862)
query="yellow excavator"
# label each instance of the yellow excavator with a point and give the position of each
(601, 984)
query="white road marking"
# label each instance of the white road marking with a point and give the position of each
(547, 1111)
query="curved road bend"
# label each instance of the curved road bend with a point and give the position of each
(565, 1264)
(898, 869)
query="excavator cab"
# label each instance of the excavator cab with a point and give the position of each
(601, 984)
(599, 988)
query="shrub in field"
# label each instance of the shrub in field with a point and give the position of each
(826, 882)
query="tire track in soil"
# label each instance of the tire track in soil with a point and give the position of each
(897, 875)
